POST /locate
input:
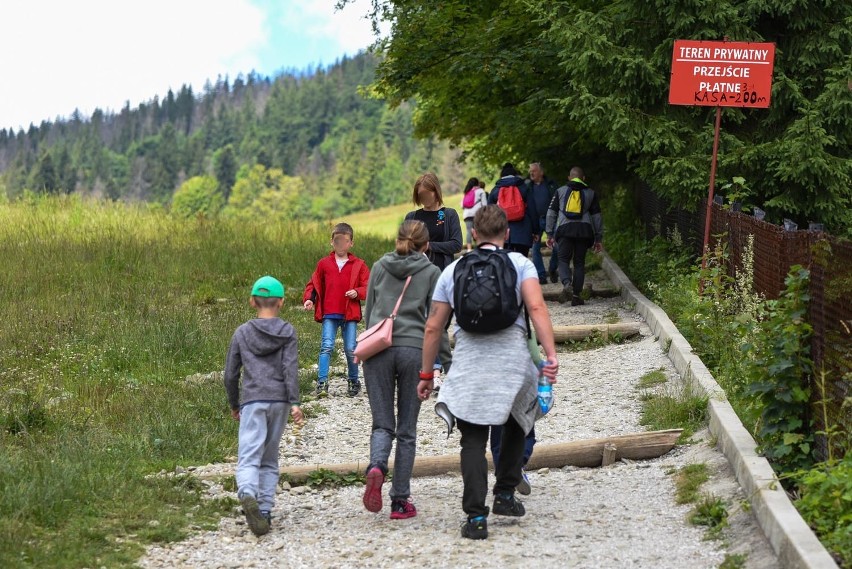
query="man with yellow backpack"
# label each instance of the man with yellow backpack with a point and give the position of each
(574, 222)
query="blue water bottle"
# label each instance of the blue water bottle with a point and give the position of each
(545, 391)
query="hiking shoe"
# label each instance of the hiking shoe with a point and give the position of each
(577, 301)
(354, 388)
(567, 294)
(322, 389)
(373, 489)
(524, 487)
(554, 276)
(475, 528)
(507, 505)
(402, 509)
(542, 280)
(268, 515)
(258, 524)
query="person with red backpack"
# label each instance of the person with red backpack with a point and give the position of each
(512, 195)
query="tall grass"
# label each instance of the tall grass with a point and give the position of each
(106, 308)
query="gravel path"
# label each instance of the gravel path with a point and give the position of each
(624, 515)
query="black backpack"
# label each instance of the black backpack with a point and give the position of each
(484, 291)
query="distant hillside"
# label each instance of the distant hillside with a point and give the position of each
(347, 152)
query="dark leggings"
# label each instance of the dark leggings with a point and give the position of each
(474, 465)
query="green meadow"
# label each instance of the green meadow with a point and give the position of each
(105, 310)
(385, 221)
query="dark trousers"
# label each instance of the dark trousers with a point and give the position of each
(573, 251)
(518, 248)
(497, 439)
(474, 466)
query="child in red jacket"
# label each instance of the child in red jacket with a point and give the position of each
(335, 292)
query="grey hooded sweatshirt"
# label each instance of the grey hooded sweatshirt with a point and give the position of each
(387, 278)
(266, 350)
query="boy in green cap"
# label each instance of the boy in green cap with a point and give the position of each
(264, 352)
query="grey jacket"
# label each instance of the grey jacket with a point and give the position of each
(387, 278)
(590, 226)
(266, 351)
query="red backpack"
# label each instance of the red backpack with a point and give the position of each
(512, 202)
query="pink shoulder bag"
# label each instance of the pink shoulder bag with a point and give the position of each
(379, 337)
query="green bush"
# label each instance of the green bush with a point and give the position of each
(826, 505)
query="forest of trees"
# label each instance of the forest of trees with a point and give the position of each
(588, 82)
(311, 145)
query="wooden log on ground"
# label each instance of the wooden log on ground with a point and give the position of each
(584, 453)
(553, 292)
(582, 331)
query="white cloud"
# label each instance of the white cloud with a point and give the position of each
(100, 53)
(350, 27)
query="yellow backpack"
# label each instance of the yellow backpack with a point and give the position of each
(574, 204)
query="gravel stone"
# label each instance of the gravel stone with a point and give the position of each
(621, 516)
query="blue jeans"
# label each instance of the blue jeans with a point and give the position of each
(497, 439)
(329, 333)
(261, 426)
(538, 260)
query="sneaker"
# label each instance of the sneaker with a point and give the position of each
(258, 524)
(373, 489)
(577, 301)
(554, 276)
(354, 388)
(322, 389)
(507, 505)
(437, 381)
(567, 294)
(402, 509)
(542, 280)
(268, 515)
(524, 487)
(475, 528)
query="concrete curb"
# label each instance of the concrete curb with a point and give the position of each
(791, 538)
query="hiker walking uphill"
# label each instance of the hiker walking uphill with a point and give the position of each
(474, 198)
(406, 279)
(542, 189)
(512, 195)
(575, 217)
(500, 389)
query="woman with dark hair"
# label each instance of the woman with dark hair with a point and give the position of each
(522, 232)
(474, 198)
(393, 373)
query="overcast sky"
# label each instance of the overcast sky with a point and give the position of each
(58, 55)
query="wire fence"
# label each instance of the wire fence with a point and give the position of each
(776, 249)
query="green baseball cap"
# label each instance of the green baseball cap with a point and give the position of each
(268, 287)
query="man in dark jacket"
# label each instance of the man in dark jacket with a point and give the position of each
(542, 190)
(575, 232)
(524, 232)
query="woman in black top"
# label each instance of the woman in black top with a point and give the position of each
(445, 236)
(445, 240)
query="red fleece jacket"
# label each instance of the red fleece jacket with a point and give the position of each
(328, 286)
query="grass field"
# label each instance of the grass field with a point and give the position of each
(106, 309)
(385, 221)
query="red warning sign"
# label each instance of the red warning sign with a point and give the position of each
(721, 74)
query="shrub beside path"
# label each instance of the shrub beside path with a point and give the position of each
(624, 515)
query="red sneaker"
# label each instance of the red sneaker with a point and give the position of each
(402, 509)
(373, 490)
